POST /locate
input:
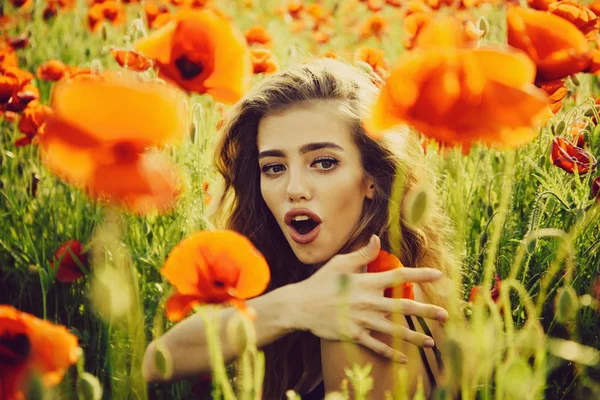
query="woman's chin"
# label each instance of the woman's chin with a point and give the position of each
(310, 256)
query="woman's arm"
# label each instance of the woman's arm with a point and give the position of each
(187, 344)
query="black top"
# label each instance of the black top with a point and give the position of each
(318, 393)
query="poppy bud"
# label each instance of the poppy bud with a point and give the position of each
(575, 79)
(241, 332)
(560, 128)
(416, 207)
(89, 387)
(566, 304)
(69, 257)
(163, 361)
(518, 378)
(484, 25)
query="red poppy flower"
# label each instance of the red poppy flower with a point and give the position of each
(32, 122)
(69, 256)
(201, 51)
(52, 70)
(495, 292)
(264, 61)
(213, 267)
(29, 345)
(131, 59)
(385, 262)
(258, 35)
(457, 94)
(556, 46)
(99, 132)
(582, 17)
(556, 91)
(570, 157)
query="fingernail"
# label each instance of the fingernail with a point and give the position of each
(441, 315)
(437, 273)
(372, 241)
(429, 342)
(403, 360)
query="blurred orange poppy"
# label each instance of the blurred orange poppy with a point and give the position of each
(556, 46)
(264, 61)
(385, 262)
(258, 35)
(201, 51)
(32, 123)
(579, 15)
(541, 5)
(52, 70)
(213, 267)
(153, 11)
(460, 95)
(375, 5)
(556, 91)
(69, 256)
(28, 346)
(571, 158)
(495, 292)
(375, 58)
(109, 10)
(99, 130)
(375, 26)
(412, 25)
(22, 97)
(131, 59)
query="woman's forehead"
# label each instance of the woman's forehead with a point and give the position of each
(295, 126)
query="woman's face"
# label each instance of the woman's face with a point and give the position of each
(311, 178)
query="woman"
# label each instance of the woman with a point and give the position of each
(305, 183)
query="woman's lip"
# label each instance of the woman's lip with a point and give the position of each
(304, 239)
(289, 216)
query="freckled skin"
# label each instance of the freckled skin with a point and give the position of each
(334, 191)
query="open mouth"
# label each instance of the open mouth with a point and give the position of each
(304, 224)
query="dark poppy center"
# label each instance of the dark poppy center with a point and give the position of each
(125, 151)
(189, 69)
(219, 284)
(14, 349)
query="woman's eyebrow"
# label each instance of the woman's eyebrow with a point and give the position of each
(303, 150)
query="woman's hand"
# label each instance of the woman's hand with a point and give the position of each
(339, 289)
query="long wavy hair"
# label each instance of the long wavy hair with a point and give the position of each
(241, 207)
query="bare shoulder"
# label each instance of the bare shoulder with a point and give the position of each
(336, 356)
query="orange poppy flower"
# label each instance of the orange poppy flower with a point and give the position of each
(22, 4)
(375, 58)
(30, 345)
(52, 70)
(32, 123)
(68, 256)
(394, 3)
(375, 5)
(18, 42)
(569, 157)
(8, 56)
(294, 7)
(153, 11)
(595, 7)
(541, 5)
(213, 267)
(25, 95)
(385, 262)
(201, 51)
(131, 59)
(321, 37)
(460, 95)
(596, 195)
(12, 80)
(258, 35)
(264, 61)
(580, 16)
(495, 292)
(556, 91)
(375, 26)
(109, 10)
(99, 130)
(412, 25)
(556, 46)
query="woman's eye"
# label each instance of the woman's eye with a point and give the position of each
(273, 169)
(326, 163)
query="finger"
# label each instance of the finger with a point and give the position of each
(396, 330)
(409, 307)
(351, 262)
(381, 280)
(381, 348)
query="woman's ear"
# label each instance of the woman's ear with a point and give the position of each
(370, 188)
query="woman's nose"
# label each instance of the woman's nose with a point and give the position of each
(297, 188)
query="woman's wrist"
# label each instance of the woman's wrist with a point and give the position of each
(288, 307)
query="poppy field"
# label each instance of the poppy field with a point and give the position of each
(109, 112)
